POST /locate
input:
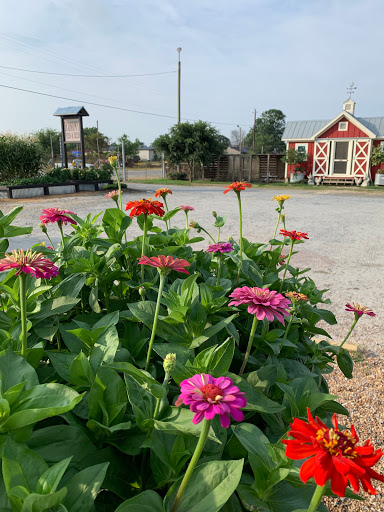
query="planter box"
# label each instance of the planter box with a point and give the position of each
(379, 180)
(296, 178)
(22, 191)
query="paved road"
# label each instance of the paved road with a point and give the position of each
(344, 250)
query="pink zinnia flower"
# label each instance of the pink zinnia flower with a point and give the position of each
(359, 310)
(56, 215)
(220, 247)
(282, 259)
(112, 194)
(187, 208)
(208, 396)
(30, 263)
(165, 263)
(262, 302)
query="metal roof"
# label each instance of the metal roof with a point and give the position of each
(307, 129)
(71, 111)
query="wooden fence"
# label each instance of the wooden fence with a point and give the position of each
(252, 168)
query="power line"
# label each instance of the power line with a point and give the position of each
(109, 106)
(87, 76)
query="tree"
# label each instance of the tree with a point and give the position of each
(237, 138)
(43, 138)
(131, 148)
(90, 140)
(190, 143)
(269, 130)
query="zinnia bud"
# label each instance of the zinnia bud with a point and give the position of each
(142, 291)
(282, 217)
(169, 363)
(43, 228)
(193, 224)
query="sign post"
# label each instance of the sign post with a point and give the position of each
(72, 130)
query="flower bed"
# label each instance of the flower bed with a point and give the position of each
(147, 375)
(22, 191)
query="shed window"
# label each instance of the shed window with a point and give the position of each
(343, 126)
(301, 146)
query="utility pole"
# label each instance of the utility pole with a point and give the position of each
(97, 142)
(178, 87)
(123, 158)
(240, 141)
(254, 131)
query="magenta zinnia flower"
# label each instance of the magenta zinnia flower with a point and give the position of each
(208, 396)
(29, 262)
(187, 208)
(220, 247)
(359, 310)
(165, 263)
(56, 215)
(262, 302)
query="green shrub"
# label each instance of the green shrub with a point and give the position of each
(177, 175)
(20, 157)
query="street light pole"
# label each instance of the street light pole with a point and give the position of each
(178, 87)
(239, 127)
(254, 132)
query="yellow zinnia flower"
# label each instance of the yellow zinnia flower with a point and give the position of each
(280, 199)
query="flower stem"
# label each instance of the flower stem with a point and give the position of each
(277, 225)
(286, 265)
(23, 312)
(161, 286)
(316, 498)
(166, 207)
(241, 237)
(186, 222)
(219, 258)
(143, 244)
(158, 400)
(60, 226)
(287, 331)
(350, 330)
(248, 351)
(218, 235)
(195, 457)
(118, 186)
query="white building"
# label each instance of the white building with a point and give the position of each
(146, 153)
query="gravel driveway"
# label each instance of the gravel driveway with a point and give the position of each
(344, 250)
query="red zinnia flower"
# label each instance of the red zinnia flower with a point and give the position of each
(145, 206)
(359, 310)
(262, 302)
(333, 455)
(162, 192)
(56, 215)
(294, 235)
(30, 263)
(282, 259)
(165, 263)
(208, 396)
(237, 186)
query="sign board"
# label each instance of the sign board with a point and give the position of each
(72, 130)
(76, 153)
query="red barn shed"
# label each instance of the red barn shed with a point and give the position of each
(337, 149)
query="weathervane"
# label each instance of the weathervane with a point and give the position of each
(351, 89)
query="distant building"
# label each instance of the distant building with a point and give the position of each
(337, 148)
(146, 153)
(235, 150)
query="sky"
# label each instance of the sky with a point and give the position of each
(237, 56)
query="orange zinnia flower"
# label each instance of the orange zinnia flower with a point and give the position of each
(237, 186)
(146, 206)
(162, 192)
(332, 454)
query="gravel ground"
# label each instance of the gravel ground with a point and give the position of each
(344, 251)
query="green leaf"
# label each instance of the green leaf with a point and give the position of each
(41, 402)
(179, 420)
(80, 371)
(210, 487)
(146, 382)
(255, 442)
(83, 488)
(40, 503)
(211, 331)
(256, 401)
(345, 362)
(14, 369)
(56, 443)
(147, 501)
(50, 479)
(21, 468)
(55, 306)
